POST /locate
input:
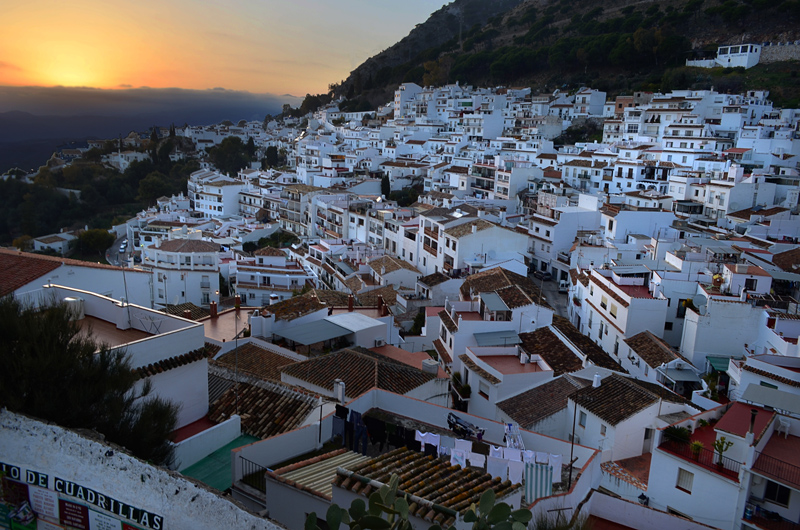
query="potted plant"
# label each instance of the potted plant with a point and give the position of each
(696, 447)
(721, 445)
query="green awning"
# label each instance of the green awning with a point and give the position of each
(719, 364)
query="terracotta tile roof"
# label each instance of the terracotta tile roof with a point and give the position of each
(618, 398)
(651, 349)
(360, 370)
(196, 312)
(469, 363)
(270, 251)
(354, 283)
(255, 360)
(330, 297)
(434, 279)
(390, 264)
(514, 297)
(498, 278)
(447, 320)
(265, 412)
(188, 245)
(466, 228)
(770, 375)
(789, 261)
(576, 277)
(175, 362)
(315, 475)
(438, 345)
(593, 352)
(18, 269)
(430, 478)
(541, 402)
(610, 292)
(297, 306)
(548, 346)
(370, 298)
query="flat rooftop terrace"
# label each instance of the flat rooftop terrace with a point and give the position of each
(509, 364)
(108, 333)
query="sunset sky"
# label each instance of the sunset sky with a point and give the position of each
(260, 46)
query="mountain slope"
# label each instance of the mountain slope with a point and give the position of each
(618, 45)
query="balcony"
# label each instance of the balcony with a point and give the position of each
(707, 458)
(429, 249)
(563, 257)
(433, 234)
(777, 466)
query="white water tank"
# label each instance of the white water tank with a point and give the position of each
(430, 366)
(75, 308)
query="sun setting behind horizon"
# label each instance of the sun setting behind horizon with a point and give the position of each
(266, 47)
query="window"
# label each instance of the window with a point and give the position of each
(483, 390)
(603, 302)
(610, 225)
(602, 430)
(667, 326)
(750, 284)
(582, 419)
(613, 311)
(547, 233)
(685, 480)
(776, 493)
(454, 245)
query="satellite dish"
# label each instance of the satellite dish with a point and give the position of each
(701, 309)
(491, 254)
(698, 300)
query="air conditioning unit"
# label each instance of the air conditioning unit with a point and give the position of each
(379, 343)
(679, 366)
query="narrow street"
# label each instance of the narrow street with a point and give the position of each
(556, 300)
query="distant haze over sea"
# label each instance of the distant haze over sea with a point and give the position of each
(34, 120)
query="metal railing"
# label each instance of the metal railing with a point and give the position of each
(706, 458)
(779, 469)
(253, 474)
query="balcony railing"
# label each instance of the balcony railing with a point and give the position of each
(431, 233)
(253, 474)
(706, 458)
(432, 251)
(778, 469)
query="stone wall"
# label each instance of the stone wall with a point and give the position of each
(786, 51)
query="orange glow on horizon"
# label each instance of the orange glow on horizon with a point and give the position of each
(260, 47)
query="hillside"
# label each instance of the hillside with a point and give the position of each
(619, 46)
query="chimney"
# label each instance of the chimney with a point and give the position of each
(350, 302)
(596, 382)
(237, 301)
(212, 309)
(474, 228)
(187, 314)
(753, 414)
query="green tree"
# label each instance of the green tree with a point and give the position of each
(95, 240)
(251, 147)
(152, 187)
(153, 144)
(23, 242)
(386, 186)
(272, 156)
(54, 371)
(230, 155)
